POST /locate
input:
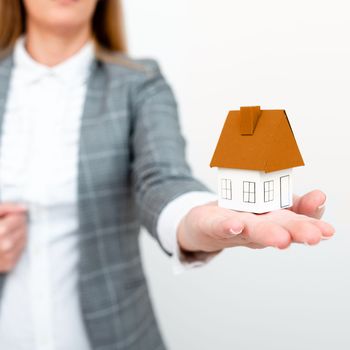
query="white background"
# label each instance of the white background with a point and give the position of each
(294, 55)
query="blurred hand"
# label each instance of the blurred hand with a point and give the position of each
(208, 228)
(13, 234)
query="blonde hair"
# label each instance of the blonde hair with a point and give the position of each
(107, 24)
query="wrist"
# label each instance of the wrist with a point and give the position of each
(188, 251)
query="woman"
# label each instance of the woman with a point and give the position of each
(90, 150)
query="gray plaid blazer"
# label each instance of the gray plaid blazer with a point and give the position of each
(131, 164)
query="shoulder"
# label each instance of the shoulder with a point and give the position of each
(5, 54)
(6, 62)
(120, 63)
(143, 78)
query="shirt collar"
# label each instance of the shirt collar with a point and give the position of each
(74, 69)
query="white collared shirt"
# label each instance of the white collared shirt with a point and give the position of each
(38, 167)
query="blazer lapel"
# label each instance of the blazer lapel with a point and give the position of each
(92, 113)
(5, 75)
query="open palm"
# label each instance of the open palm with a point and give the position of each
(209, 228)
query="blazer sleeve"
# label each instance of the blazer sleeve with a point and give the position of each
(159, 168)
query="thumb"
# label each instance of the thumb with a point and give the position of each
(221, 224)
(311, 204)
(8, 208)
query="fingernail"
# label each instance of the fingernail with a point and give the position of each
(236, 231)
(327, 237)
(321, 209)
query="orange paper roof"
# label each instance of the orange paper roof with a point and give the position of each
(257, 139)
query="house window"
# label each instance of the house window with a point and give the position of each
(226, 189)
(268, 191)
(248, 192)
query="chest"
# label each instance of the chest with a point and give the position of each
(40, 141)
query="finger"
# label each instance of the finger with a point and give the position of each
(242, 241)
(10, 258)
(216, 222)
(312, 204)
(8, 242)
(326, 229)
(304, 232)
(255, 246)
(6, 208)
(269, 234)
(223, 227)
(11, 222)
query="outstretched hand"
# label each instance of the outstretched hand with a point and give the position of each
(209, 228)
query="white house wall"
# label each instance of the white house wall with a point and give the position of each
(238, 176)
(276, 178)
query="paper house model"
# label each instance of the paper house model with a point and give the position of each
(255, 156)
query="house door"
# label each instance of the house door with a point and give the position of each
(285, 191)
